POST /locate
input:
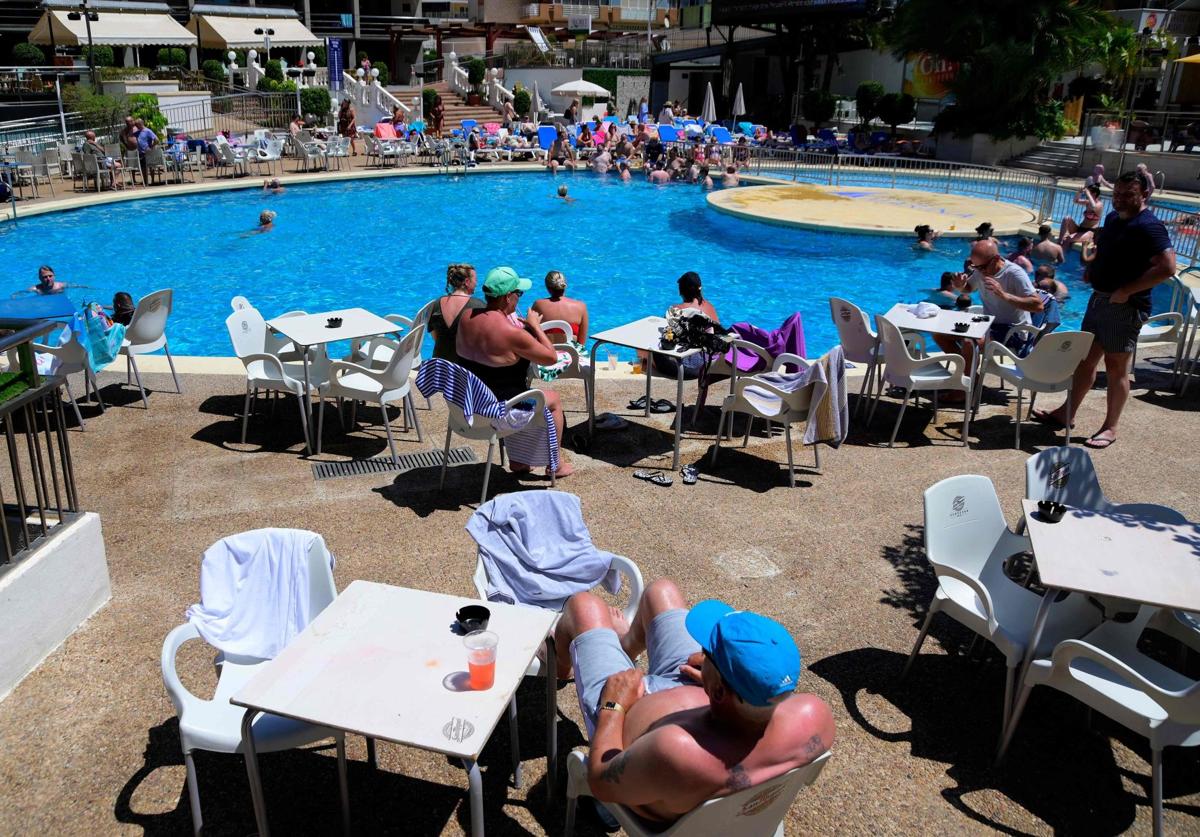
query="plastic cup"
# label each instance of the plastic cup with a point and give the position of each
(612, 361)
(481, 658)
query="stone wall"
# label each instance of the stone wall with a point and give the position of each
(631, 87)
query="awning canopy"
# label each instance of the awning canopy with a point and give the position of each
(237, 32)
(118, 29)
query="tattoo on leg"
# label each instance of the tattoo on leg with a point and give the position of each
(738, 779)
(814, 746)
(614, 769)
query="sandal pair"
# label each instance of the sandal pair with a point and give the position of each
(658, 405)
(656, 477)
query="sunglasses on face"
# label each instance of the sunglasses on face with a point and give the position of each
(974, 266)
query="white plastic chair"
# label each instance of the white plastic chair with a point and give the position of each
(537, 666)
(928, 373)
(359, 383)
(216, 725)
(457, 424)
(264, 370)
(772, 404)
(73, 358)
(1105, 671)
(1066, 475)
(860, 344)
(1168, 329)
(1049, 368)
(146, 333)
(719, 367)
(757, 811)
(967, 541)
(578, 370)
(269, 153)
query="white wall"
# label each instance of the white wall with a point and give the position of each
(677, 88)
(47, 596)
(862, 65)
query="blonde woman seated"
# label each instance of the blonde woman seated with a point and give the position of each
(574, 312)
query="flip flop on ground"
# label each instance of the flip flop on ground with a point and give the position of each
(656, 477)
(662, 405)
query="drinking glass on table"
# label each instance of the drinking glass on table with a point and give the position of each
(481, 658)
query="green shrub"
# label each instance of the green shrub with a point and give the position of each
(274, 70)
(28, 55)
(103, 53)
(605, 78)
(118, 73)
(522, 101)
(819, 106)
(213, 70)
(318, 55)
(101, 112)
(267, 84)
(144, 106)
(315, 100)
(172, 57)
(867, 97)
(428, 99)
(476, 71)
(897, 109)
(383, 71)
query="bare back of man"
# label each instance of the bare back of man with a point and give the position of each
(683, 742)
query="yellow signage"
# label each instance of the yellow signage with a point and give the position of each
(928, 76)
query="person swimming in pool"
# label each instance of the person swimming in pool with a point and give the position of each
(562, 193)
(273, 186)
(266, 222)
(926, 235)
(47, 285)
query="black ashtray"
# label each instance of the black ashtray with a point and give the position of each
(333, 322)
(1050, 511)
(979, 319)
(961, 327)
(473, 618)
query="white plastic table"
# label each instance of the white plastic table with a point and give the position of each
(643, 334)
(386, 662)
(1110, 554)
(941, 323)
(311, 330)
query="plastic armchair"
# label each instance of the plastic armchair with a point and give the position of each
(784, 407)
(1067, 476)
(914, 374)
(722, 368)
(359, 383)
(757, 811)
(265, 370)
(146, 333)
(579, 368)
(458, 424)
(860, 343)
(967, 541)
(1049, 368)
(537, 666)
(215, 725)
(1169, 329)
(1105, 671)
(73, 358)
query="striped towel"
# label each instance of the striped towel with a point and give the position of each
(463, 389)
(828, 416)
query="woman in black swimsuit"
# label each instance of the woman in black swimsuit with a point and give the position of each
(448, 310)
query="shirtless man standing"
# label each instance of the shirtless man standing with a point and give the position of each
(1045, 250)
(716, 713)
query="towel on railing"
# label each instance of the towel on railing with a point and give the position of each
(537, 550)
(463, 389)
(254, 591)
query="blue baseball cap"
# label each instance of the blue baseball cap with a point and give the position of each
(756, 655)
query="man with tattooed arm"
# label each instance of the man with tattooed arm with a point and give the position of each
(714, 714)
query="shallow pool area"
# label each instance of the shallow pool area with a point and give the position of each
(384, 244)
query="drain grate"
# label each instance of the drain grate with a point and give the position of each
(384, 464)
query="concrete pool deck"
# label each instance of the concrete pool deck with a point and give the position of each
(89, 742)
(869, 210)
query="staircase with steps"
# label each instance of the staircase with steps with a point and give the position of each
(1057, 158)
(456, 109)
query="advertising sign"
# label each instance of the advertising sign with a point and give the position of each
(337, 63)
(927, 76)
(751, 11)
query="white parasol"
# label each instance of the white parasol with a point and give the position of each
(535, 106)
(581, 88)
(708, 113)
(739, 104)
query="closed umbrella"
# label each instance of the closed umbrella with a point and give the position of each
(739, 105)
(535, 106)
(708, 113)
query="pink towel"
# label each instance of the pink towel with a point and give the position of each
(789, 337)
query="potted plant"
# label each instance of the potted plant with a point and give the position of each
(476, 73)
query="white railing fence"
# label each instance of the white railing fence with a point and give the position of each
(372, 100)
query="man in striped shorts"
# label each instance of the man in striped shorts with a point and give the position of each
(1133, 254)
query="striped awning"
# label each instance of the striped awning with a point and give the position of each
(237, 32)
(118, 29)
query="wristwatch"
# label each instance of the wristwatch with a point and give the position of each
(612, 706)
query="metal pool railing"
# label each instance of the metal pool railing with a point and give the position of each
(37, 480)
(1029, 189)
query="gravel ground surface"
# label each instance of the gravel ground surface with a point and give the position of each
(89, 742)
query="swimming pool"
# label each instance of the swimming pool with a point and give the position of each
(384, 244)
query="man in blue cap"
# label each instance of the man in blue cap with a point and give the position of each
(716, 712)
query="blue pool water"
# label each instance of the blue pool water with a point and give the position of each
(384, 245)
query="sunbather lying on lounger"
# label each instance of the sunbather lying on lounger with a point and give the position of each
(715, 714)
